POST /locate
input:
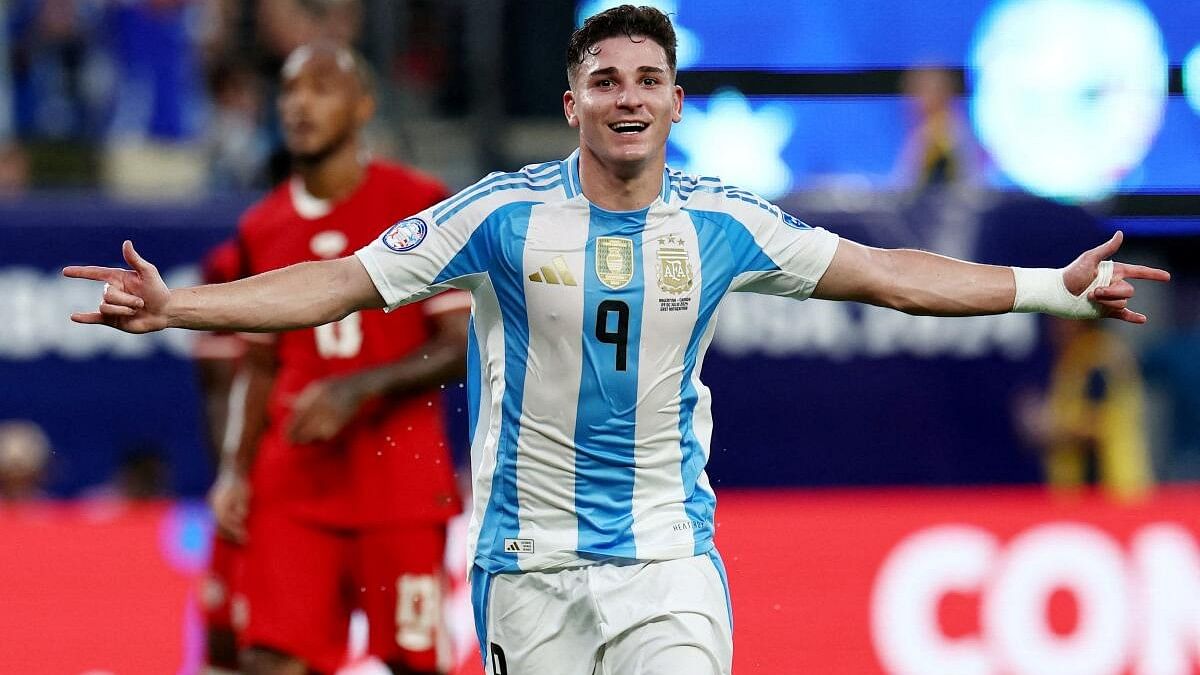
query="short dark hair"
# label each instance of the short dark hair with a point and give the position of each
(632, 22)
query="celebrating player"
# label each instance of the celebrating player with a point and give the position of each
(339, 482)
(595, 284)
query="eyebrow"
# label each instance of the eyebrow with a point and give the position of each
(612, 70)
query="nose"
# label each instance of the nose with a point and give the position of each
(295, 101)
(629, 97)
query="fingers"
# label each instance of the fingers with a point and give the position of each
(311, 428)
(1107, 249)
(313, 418)
(88, 317)
(1120, 290)
(108, 309)
(114, 303)
(313, 425)
(1141, 272)
(301, 428)
(110, 275)
(232, 525)
(1129, 315)
(229, 510)
(115, 296)
(135, 260)
(229, 499)
(1114, 298)
(295, 430)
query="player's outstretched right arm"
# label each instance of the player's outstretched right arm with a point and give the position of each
(308, 294)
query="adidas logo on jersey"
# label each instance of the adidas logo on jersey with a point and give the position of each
(518, 546)
(556, 272)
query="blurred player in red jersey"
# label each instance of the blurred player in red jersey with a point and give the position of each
(341, 491)
(217, 356)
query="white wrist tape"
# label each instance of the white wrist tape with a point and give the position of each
(1041, 290)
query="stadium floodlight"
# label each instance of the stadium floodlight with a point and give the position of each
(1068, 95)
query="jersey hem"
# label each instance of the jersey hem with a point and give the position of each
(558, 560)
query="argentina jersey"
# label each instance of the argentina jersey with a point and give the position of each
(590, 425)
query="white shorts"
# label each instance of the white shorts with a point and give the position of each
(648, 618)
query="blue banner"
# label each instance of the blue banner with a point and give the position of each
(100, 394)
(812, 393)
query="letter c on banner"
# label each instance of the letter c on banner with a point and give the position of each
(904, 604)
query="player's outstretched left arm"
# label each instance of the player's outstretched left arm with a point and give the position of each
(918, 282)
(137, 300)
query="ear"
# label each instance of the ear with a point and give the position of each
(569, 108)
(677, 109)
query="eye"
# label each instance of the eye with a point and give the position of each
(649, 81)
(604, 83)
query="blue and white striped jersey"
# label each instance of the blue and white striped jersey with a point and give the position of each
(590, 426)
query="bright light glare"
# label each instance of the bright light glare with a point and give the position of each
(1068, 94)
(738, 143)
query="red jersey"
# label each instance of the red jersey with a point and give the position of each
(391, 464)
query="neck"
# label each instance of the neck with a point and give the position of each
(333, 176)
(620, 187)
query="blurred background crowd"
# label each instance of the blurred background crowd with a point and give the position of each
(159, 115)
(174, 97)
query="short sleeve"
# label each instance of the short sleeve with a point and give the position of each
(772, 252)
(798, 259)
(438, 248)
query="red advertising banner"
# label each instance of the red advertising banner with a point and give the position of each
(963, 582)
(101, 589)
(977, 581)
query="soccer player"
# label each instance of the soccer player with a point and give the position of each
(339, 483)
(595, 284)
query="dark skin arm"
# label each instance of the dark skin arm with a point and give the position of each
(324, 407)
(229, 496)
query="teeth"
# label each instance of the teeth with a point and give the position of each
(627, 127)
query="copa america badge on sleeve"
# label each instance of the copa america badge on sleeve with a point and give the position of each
(405, 235)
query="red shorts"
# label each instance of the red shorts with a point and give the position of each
(220, 584)
(301, 583)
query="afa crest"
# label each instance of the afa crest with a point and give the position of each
(614, 261)
(674, 267)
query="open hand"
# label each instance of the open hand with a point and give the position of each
(1114, 297)
(134, 300)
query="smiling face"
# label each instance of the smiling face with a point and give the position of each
(623, 99)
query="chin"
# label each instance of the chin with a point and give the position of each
(309, 154)
(631, 155)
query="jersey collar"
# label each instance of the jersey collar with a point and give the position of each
(308, 206)
(574, 187)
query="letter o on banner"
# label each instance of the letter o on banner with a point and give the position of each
(1054, 556)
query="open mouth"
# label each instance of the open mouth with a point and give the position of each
(628, 127)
